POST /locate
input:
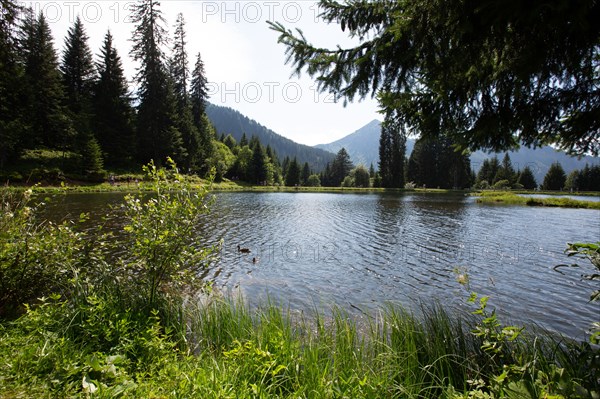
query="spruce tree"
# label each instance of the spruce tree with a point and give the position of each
(292, 176)
(506, 171)
(178, 66)
(434, 163)
(555, 178)
(47, 120)
(489, 171)
(113, 114)
(526, 179)
(199, 98)
(78, 75)
(11, 79)
(385, 156)
(78, 79)
(258, 168)
(305, 174)
(158, 136)
(398, 152)
(392, 150)
(340, 167)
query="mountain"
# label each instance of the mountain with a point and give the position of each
(229, 121)
(363, 147)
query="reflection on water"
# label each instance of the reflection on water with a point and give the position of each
(360, 251)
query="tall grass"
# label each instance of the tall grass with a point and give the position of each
(514, 199)
(230, 350)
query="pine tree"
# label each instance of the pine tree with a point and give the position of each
(178, 67)
(398, 152)
(158, 136)
(78, 75)
(385, 156)
(434, 163)
(243, 140)
(259, 170)
(392, 150)
(526, 179)
(489, 171)
(113, 114)
(199, 98)
(340, 167)
(292, 177)
(48, 123)
(305, 174)
(11, 79)
(555, 178)
(371, 171)
(506, 171)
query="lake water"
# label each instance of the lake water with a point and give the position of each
(362, 251)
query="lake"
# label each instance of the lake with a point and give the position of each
(363, 251)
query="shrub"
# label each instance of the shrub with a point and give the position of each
(501, 185)
(162, 236)
(36, 258)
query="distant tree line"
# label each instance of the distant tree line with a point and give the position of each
(83, 107)
(502, 175)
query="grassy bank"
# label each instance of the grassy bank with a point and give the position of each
(136, 183)
(511, 198)
(227, 351)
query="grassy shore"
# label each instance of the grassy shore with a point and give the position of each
(136, 183)
(512, 198)
(230, 351)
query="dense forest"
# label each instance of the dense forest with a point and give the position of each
(229, 121)
(75, 116)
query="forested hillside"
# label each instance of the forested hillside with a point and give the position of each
(229, 121)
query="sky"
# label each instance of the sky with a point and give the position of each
(244, 64)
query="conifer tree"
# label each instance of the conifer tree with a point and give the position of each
(434, 163)
(555, 178)
(180, 75)
(258, 167)
(48, 124)
(78, 75)
(340, 167)
(398, 152)
(11, 124)
(489, 171)
(113, 113)
(506, 171)
(158, 136)
(392, 150)
(243, 140)
(292, 176)
(305, 174)
(199, 98)
(526, 179)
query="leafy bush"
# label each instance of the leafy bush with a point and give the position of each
(501, 185)
(162, 236)
(591, 252)
(36, 258)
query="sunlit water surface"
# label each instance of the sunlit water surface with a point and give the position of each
(363, 251)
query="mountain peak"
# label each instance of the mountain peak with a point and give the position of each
(362, 145)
